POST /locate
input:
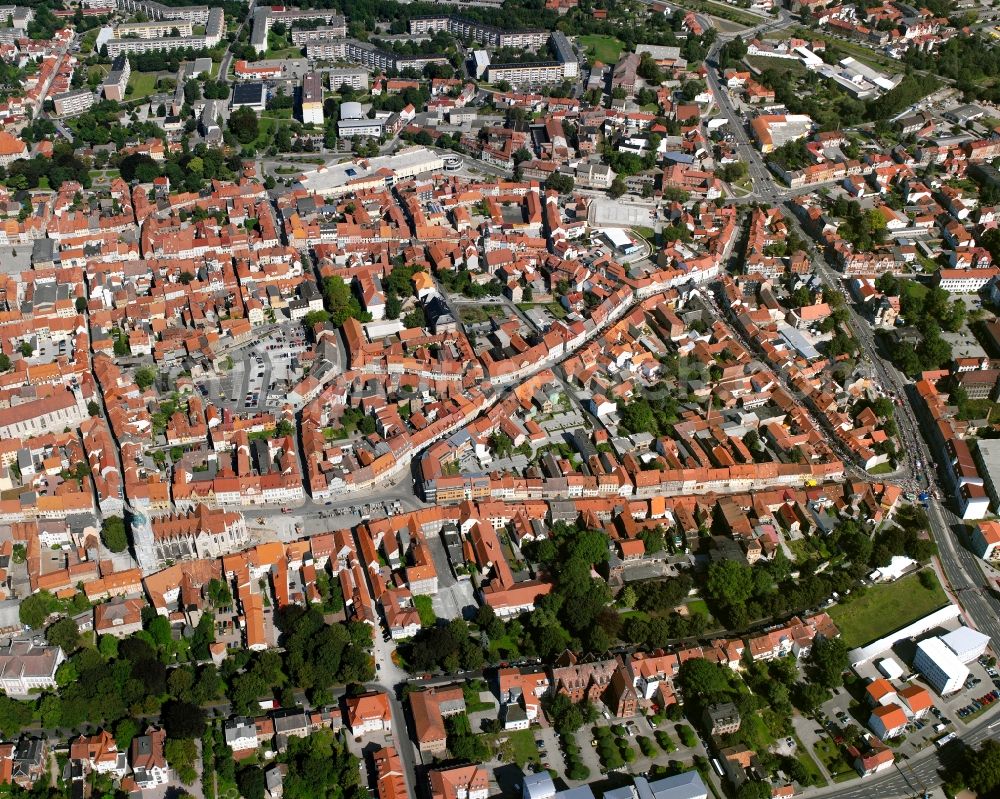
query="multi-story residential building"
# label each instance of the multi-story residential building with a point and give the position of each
(148, 759)
(531, 74)
(214, 24)
(11, 149)
(338, 30)
(462, 28)
(120, 618)
(312, 99)
(357, 79)
(265, 16)
(99, 753)
(459, 782)
(368, 713)
(116, 82)
(153, 29)
(196, 15)
(722, 718)
(74, 102)
(240, 734)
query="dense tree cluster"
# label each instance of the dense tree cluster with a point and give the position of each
(63, 165)
(655, 414)
(930, 311)
(318, 655)
(575, 614)
(447, 647)
(973, 62)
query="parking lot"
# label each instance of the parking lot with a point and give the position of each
(263, 372)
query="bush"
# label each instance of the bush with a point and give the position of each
(687, 736)
(665, 741)
(646, 745)
(577, 771)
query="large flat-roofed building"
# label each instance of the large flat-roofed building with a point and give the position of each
(249, 95)
(940, 666)
(564, 54)
(75, 102)
(966, 643)
(364, 127)
(338, 179)
(336, 30)
(463, 28)
(771, 131)
(987, 455)
(312, 99)
(531, 74)
(116, 82)
(153, 29)
(353, 77)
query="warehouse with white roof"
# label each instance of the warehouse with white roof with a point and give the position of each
(966, 643)
(940, 666)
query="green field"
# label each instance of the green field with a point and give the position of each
(142, 84)
(521, 747)
(885, 608)
(833, 759)
(803, 756)
(425, 609)
(603, 48)
(284, 52)
(781, 65)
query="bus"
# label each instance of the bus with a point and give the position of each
(717, 766)
(940, 743)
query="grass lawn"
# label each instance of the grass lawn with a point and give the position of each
(520, 747)
(602, 48)
(726, 12)
(265, 128)
(698, 606)
(285, 52)
(278, 113)
(470, 692)
(777, 64)
(646, 232)
(425, 609)
(885, 608)
(503, 647)
(803, 756)
(882, 468)
(142, 84)
(834, 761)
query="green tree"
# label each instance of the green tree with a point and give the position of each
(730, 583)
(63, 633)
(35, 609)
(181, 755)
(250, 781)
(144, 377)
(828, 661)
(618, 187)
(244, 125)
(113, 534)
